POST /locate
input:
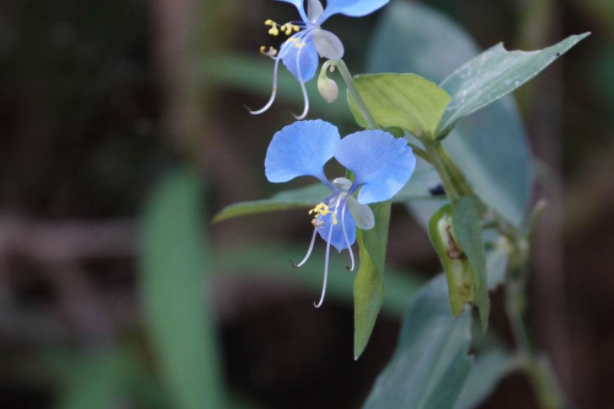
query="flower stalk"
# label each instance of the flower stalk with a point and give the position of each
(360, 103)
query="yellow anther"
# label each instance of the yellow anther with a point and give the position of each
(335, 222)
(274, 31)
(321, 210)
(271, 53)
(315, 223)
(288, 28)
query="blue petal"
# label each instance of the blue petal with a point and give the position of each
(301, 149)
(352, 8)
(337, 239)
(304, 59)
(299, 5)
(382, 164)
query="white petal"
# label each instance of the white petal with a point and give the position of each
(362, 214)
(328, 45)
(343, 184)
(314, 10)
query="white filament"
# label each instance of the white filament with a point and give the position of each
(300, 80)
(313, 240)
(330, 234)
(273, 94)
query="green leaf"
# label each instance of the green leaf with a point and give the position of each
(406, 101)
(431, 364)
(487, 160)
(369, 282)
(174, 262)
(490, 368)
(468, 232)
(412, 37)
(290, 199)
(458, 269)
(494, 74)
(98, 382)
(416, 189)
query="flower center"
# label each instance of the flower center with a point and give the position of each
(320, 211)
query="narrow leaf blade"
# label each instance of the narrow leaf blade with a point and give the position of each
(174, 262)
(369, 282)
(494, 74)
(490, 368)
(291, 199)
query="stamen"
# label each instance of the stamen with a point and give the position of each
(320, 210)
(347, 241)
(273, 94)
(288, 28)
(274, 31)
(271, 53)
(313, 240)
(330, 234)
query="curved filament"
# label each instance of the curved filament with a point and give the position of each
(330, 234)
(273, 94)
(313, 240)
(300, 80)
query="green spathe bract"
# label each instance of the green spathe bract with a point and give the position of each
(406, 101)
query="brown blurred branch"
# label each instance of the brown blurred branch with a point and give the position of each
(68, 241)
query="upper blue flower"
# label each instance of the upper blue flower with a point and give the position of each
(381, 165)
(308, 41)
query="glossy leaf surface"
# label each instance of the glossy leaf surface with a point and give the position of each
(431, 364)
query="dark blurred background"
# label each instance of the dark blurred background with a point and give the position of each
(99, 99)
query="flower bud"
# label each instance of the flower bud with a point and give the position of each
(328, 89)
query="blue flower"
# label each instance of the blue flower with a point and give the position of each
(308, 41)
(381, 165)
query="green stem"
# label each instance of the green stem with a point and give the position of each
(360, 103)
(537, 367)
(437, 162)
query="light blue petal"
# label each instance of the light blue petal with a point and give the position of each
(304, 58)
(338, 239)
(299, 4)
(381, 163)
(301, 149)
(352, 8)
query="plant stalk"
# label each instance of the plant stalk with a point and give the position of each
(360, 103)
